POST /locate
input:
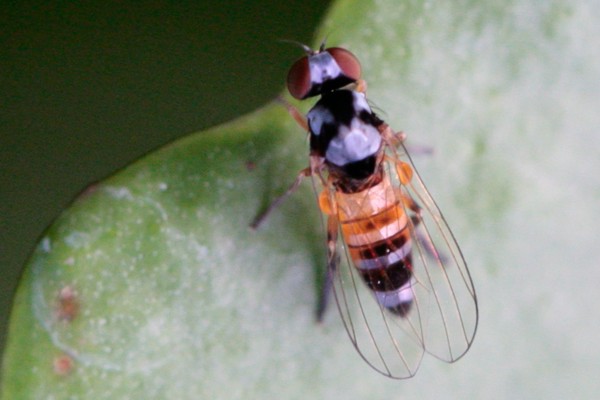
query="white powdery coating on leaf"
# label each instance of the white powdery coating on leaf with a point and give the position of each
(119, 192)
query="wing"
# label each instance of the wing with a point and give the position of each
(441, 316)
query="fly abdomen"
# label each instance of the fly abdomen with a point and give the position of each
(385, 264)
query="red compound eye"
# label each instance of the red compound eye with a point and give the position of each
(321, 72)
(298, 79)
(347, 62)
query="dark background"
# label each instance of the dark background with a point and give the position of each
(87, 89)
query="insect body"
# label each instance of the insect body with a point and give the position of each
(374, 226)
(416, 294)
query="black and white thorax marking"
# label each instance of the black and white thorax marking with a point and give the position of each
(344, 131)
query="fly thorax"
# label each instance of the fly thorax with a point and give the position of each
(353, 143)
(344, 131)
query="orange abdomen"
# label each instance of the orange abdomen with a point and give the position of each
(376, 231)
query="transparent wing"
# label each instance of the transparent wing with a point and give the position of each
(442, 315)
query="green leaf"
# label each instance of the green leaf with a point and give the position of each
(151, 285)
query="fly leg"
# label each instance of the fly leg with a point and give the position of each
(393, 139)
(422, 237)
(396, 140)
(333, 260)
(361, 86)
(405, 174)
(261, 217)
(316, 164)
(293, 111)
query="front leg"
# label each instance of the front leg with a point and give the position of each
(391, 138)
(293, 111)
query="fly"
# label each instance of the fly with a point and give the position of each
(399, 279)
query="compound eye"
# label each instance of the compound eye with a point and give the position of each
(348, 63)
(298, 79)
